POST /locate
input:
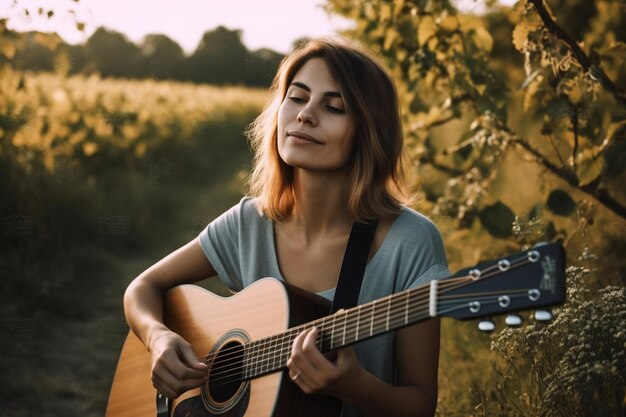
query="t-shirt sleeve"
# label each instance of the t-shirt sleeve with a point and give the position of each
(220, 242)
(425, 250)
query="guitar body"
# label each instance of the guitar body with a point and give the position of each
(210, 323)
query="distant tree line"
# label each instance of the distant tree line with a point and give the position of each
(220, 57)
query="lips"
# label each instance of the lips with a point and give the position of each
(303, 136)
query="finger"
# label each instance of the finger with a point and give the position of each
(298, 362)
(173, 384)
(296, 349)
(172, 363)
(189, 357)
(313, 354)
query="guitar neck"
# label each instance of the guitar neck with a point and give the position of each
(535, 278)
(342, 329)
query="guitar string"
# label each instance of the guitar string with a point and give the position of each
(274, 341)
(445, 283)
(398, 318)
(367, 309)
(239, 376)
(418, 291)
(304, 326)
(271, 343)
(289, 335)
(273, 361)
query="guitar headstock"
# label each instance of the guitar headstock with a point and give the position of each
(531, 279)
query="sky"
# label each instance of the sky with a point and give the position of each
(273, 24)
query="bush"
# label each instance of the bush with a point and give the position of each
(573, 366)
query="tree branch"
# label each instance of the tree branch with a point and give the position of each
(570, 177)
(581, 56)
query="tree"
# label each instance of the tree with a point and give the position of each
(162, 57)
(11, 41)
(219, 59)
(261, 66)
(112, 54)
(37, 52)
(448, 76)
(525, 105)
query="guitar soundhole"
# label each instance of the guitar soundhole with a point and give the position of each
(226, 392)
(226, 375)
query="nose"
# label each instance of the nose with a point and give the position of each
(307, 115)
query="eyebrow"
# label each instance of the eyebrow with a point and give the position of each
(307, 88)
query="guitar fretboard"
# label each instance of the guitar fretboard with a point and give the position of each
(345, 328)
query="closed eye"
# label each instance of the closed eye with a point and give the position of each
(335, 110)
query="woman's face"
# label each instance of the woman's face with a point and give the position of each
(314, 130)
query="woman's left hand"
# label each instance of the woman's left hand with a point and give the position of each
(315, 374)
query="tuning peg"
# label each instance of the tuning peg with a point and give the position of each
(513, 320)
(543, 316)
(487, 325)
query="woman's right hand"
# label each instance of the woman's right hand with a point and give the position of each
(175, 368)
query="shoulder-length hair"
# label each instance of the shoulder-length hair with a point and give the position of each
(375, 181)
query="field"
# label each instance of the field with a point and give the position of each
(99, 179)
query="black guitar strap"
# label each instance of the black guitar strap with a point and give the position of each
(353, 265)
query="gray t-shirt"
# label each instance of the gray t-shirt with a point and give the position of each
(241, 247)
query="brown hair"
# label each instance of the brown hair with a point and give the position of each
(375, 178)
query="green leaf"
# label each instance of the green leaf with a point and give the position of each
(497, 219)
(560, 203)
(589, 167)
(482, 39)
(426, 30)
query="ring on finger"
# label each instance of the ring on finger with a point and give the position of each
(296, 376)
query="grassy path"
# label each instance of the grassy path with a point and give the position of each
(63, 365)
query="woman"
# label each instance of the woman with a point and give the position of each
(328, 150)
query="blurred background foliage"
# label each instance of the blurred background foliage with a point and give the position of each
(515, 124)
(112, 155)
(220, 57)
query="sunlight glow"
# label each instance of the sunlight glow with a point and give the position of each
(271, 24)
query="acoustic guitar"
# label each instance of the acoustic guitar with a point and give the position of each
(246, 339)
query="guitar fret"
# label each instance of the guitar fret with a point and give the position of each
(266, 355)
(350, 331)
(388, 312)
(325, 347)
(406, 307)
(358, 319)
(286, 348)
(270, 356)
(373, 316)
(332, 333)
(259, 357)
(252, 359)
(263, 355)
(276, 352)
